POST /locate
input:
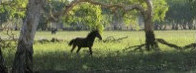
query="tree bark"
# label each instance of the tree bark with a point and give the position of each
(117, 21)
(165, 27)
(177, 27)
(3, 68)
(149, 33)
(23, 61)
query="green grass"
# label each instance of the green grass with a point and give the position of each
(109, 57)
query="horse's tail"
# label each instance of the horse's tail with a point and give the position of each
(71, 42)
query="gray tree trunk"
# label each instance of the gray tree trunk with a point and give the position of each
(3, 68)
(117, 21)
(150, 37)
(23, 61)
(194, 25)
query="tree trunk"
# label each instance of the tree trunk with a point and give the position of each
(165, 26)
(150, 37)
(3, 68)
(190, 26)
(194, 24)
(160, 26)
(184, 26)
(23, 61)
(117, 21)
(173, 26)
(156, 26)
(176, 26)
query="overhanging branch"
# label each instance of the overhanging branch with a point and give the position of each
(125, 8)
(136, 7)
(105, 5)
(56, 15)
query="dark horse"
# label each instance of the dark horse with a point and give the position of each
(85, 42)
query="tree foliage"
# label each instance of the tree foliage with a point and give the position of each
(160, 9)
(50, 7)
(87, 15)
(12, 9)
(181, 13)
(193, 6)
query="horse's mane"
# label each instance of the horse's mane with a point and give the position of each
(92, 33)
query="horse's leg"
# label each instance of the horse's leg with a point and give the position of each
(78, 49)
(90, 50)
(74, 46)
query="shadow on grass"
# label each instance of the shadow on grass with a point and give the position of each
(118, 62)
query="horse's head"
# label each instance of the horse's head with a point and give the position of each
(96, 32)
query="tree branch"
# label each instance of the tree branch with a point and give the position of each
(125, 8)
(138, 7)
(71, 5)
(135, 6)
(105, 5)
(55, 16)
(149, 8)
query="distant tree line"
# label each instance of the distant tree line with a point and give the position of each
(180, 15)
(168, 14)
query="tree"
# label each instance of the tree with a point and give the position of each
(180, 14)
(193, 6)
(144, 7)
(148, 20)
(150, 37)
(24, 54)
(2, 66)
(23, 61)
(51, 7)
(86, 15)
(12, 11)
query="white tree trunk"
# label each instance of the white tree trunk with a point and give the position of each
(150, 37)
(3, 68)
(23, 62)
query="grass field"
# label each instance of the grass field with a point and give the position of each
(50, 57)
